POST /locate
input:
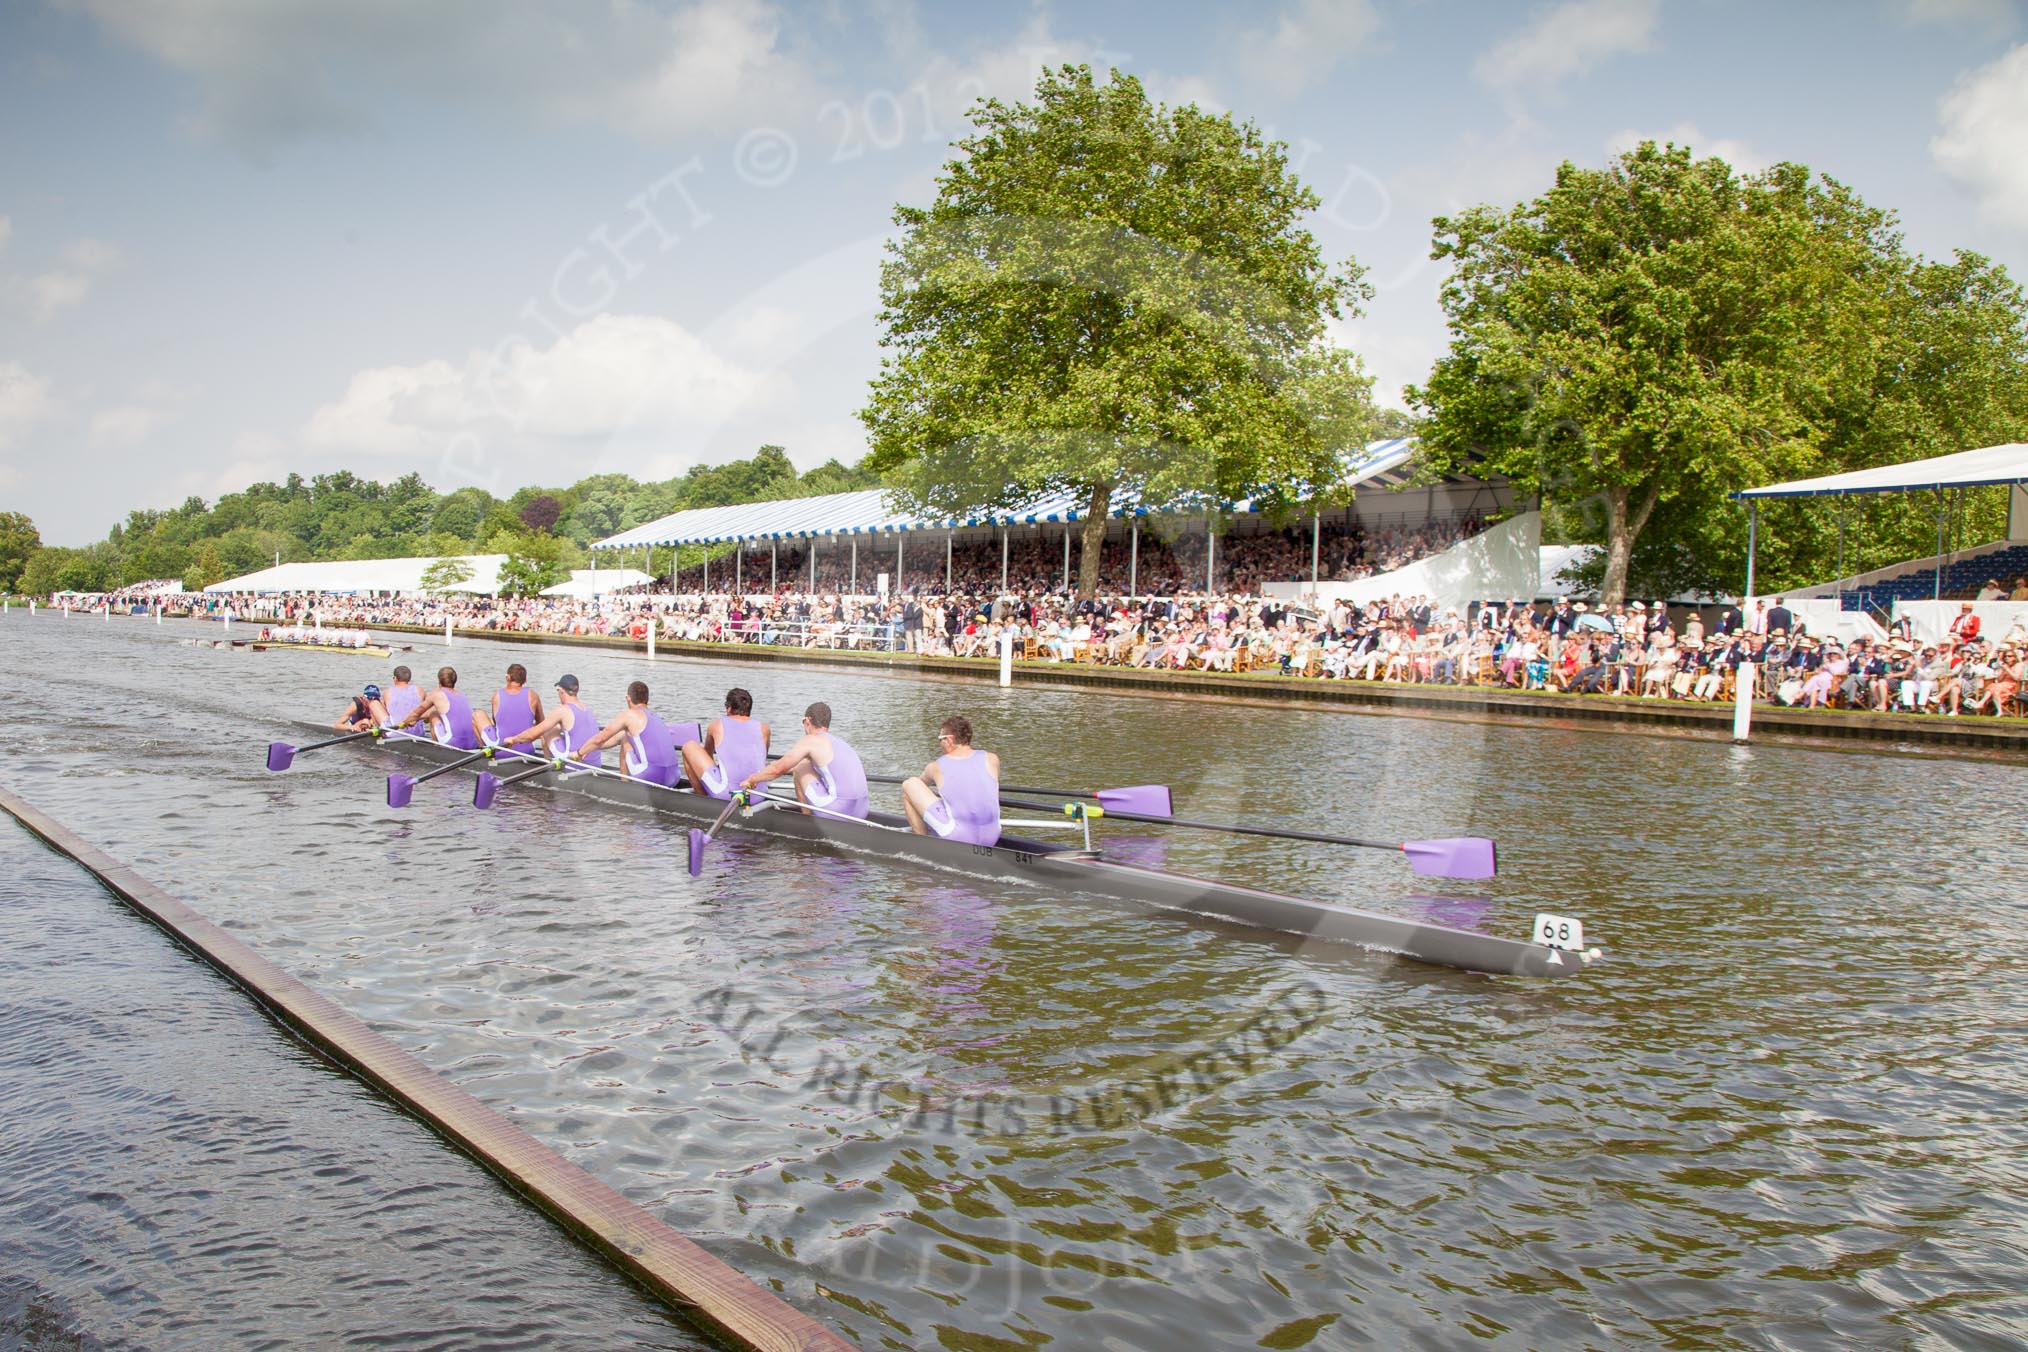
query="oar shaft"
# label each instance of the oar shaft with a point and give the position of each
(457, 764)
(333, 741)
(1232, 827)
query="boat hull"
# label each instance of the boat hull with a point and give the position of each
(1054, 866)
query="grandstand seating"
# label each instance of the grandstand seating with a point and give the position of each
(1961, 580)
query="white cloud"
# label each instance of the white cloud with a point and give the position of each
(1511, 165)
(1741, 156)
(1983, 142)
(24, 401)
(628, 380)
(271, 74)
(134, 422)
(762, 330)
(64, 286)
(1310, 40)
(1566, 41)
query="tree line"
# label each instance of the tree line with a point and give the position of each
(1111, 297)
(544, 531)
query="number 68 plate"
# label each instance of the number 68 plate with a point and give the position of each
(1559, 931)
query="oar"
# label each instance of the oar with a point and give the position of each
(699, 839)
(1451, 857)
(488, 785)
(400, 788)
(281, 754)
(1150, 799)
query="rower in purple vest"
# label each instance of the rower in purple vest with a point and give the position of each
(649, 748)
(733, 747)
(957, 796)
(828, 772)
(515, 708)
(446, 713)
(402, 697)
(566, 729)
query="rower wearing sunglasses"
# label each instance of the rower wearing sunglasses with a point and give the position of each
(957, 796)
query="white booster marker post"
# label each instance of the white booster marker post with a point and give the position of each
(447, 631)
(1007, 658)
(1742, 706)
(652, 627)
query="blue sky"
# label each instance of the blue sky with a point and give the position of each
(513, 241)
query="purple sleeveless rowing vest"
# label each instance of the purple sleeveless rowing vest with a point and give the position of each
(841, 785)
(740, 753)
(584, 725)
(652, 756)
(515, 716)
(401, 702)
(970, 810)
(460, 718)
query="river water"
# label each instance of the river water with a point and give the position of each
(1786, 1110)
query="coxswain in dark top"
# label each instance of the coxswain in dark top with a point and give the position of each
(827, 771)
(365, 712)
(957, 796)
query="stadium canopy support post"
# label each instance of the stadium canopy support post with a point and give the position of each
(1134, 561)
(1752, 544)
(1003, 558)
(900, 542)
(853, 586)
(947, 560)
(774, 561)
(1316, 548)
(1066, 556)
(813, 565)
(1210, 556)
(1942, 509)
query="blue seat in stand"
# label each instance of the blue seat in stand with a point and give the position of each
(1960, 579)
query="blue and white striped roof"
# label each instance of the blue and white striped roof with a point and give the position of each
(868, 512)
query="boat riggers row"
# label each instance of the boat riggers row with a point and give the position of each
(720, 774)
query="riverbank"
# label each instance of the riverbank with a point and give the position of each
(1912, 732)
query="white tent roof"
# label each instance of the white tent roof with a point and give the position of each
(354, 576)
(867, 512)
(1965, 469)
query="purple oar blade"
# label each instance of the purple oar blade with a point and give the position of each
(680, 733)
(280, 755)
(1453, 857)
(400, 788)
(484, 789)
(696, 852)
(1146, 800)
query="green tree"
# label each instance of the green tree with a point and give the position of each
(534, 564)
(1111, 296)
(18, 542)
(207, 569)
(1645, 338)
(446, 574)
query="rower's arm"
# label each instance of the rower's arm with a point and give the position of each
(788, 761)
(542, 728)
(604, 736)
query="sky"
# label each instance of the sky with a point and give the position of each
(503, 242)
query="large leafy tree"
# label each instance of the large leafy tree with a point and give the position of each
(1109, 295)
(18, 542)
(1647, 337)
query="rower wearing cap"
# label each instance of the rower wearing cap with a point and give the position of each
(649, 748)
(365, 711)
(402, 697)
(829, 773)
(447, 713)
(957, 796)
(566, 729)
(733, 747)
(515, 707)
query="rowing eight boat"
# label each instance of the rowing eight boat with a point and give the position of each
(1016, 859)
(258, 644)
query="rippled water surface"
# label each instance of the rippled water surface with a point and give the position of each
(1786, 1111)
